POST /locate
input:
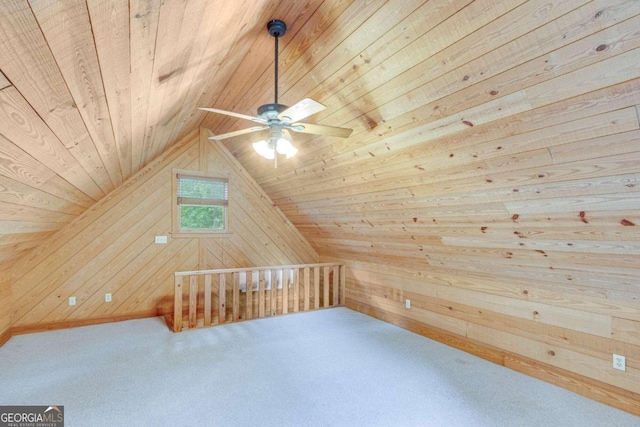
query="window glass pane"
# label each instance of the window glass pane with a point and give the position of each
(201, 217)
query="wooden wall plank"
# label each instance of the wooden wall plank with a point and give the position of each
(5, 306)
(110, 248)
(626, 330)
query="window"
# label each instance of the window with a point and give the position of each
(201, 203)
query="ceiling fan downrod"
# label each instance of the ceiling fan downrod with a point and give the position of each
(277, 29)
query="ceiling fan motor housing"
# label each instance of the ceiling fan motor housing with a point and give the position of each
(276, 28)
(271, 111)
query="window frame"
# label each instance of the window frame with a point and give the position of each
(176, 230)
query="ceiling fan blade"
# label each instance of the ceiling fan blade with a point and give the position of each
(300, 110)
(321, 130)
(238, 132)
(232, 114)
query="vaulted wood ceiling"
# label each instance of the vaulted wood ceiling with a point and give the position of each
(470, 117)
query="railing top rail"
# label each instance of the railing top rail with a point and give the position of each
(269, 267)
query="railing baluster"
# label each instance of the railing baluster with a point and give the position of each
(316, 287)
(343, 284)
(307, 290)
(249, 295)
(285, 291)
(177, 304)
(207, 300)
(261, 293)
(336, 281)
(325, 287)
(296, 290)
(274, 292)
(236, 296)
(193, 301)
(222, 293)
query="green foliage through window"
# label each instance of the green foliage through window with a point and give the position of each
(202, 217)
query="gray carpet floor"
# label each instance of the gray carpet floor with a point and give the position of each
(333, 367)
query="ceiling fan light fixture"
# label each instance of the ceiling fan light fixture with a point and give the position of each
(263, 148)
(284, 146)
(267, 148)
(279, 119)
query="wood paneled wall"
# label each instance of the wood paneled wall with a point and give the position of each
(5, 306)
(534, 322)
(111, 248)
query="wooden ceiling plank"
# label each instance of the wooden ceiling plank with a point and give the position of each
(228, 80)
(481, 69)
(13, 212)
(395, 142)
(27, 61)
(448, 32)
(143, 27)
(19, 227)
(3, 81)
(431, 160)
(390, 36)
(327, 15)
(67, 30)
(110, 25)
(20, 124)
(509, 179)
(8, 240)
(592, 187)
(22, 167)
(209, 43)
(221, 57)
(176, 18)
(258, 61)
(566, 59)
(405, 72)
(15, 192)
(422, 233)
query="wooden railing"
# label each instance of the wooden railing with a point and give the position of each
(214, 297)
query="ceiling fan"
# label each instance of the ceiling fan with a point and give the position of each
(278, 118)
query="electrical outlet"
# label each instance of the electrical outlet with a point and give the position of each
(619, 362)
(107, 297)
(161, 239)
(72, 300)
(407, 303)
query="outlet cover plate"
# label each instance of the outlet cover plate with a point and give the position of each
(107, 297)
(407, 303)
(619, 362)
(72, 300)
(161, 240)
